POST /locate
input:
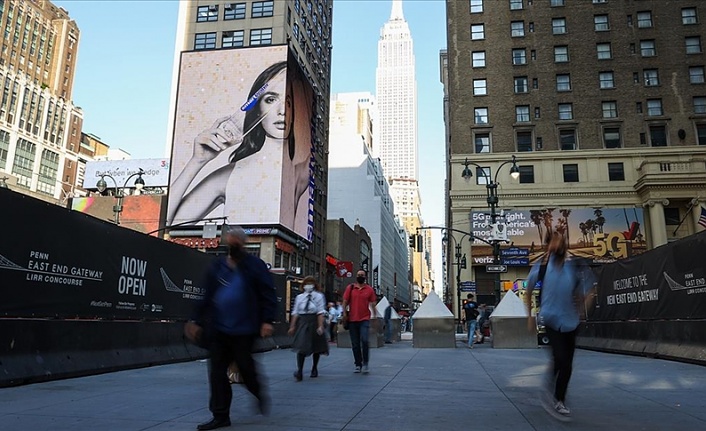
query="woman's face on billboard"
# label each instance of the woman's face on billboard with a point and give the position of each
(276, 107)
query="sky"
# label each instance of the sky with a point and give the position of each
(124, 73)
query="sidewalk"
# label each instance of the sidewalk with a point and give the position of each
(407, 390)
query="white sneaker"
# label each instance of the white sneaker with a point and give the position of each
(561, 408)
(365, 369)
(357, 369)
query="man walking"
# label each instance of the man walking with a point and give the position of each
(358, 301)
(239, 305)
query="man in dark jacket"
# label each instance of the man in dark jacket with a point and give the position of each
(239, 305)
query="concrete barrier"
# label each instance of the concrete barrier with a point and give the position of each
(433, 324)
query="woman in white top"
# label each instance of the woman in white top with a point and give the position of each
(307, 326)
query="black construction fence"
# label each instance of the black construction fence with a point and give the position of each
(82, 296)
(653, 304)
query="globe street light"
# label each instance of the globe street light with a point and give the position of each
(491, 186)
(102, 185)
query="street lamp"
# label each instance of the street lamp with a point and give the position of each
(460, 264)
(492, 199)
(3, 183)
(102, 185)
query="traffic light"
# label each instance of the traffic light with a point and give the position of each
(420, 245)
(412, 241)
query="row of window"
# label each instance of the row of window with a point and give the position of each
(25, 153)
(231, 11)
(606, 81)
(656, 136)
(233, 39)
(570, 171)
(689, 15)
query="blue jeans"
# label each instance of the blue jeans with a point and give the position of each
(359, 341)
(471, 331)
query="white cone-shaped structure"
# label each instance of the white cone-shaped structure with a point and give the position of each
(382, 306)
(432, 308)
(510, 306)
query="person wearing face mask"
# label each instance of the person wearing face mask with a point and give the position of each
(563, 288)
(359, 301)
(308, 327)
(238, 306)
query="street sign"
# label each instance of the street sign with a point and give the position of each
(515, 261)
(514, 252)
(495, 268)
(468, 286)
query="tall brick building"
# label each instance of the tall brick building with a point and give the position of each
(603, 103)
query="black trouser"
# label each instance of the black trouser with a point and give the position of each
(224, 350)
(563, 345)
(359, 332)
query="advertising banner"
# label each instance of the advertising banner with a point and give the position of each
(81, 267)
(668, 282)
(156, 172)
(594, 235)
(243, 140)
(139, 212)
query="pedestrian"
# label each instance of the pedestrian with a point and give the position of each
(334, 315)
(482, 318)
(470, 310)
(238, 305)
(561, 290)
(309, 327)
(358, 305)
(388, 324)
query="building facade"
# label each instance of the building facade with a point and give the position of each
(345, 244)
(602, 102)
(360, 194)
(40, 127)
(303, 28)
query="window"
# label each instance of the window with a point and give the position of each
(696, 75)
(478, 59)
(537, 112)
(563, 82)
(638, 107)
(567, 139)
(603, 51)
(519, 56)
(561, 54)
(517, 29)
(616, 172)
(535, 83)
(516, 4)
(207, 13)
(599, 1)
(571, 173)
(480, 116)
(261, 36)
(480, 87)
(25, 152)
(205, 41)
(671, 216)
(263, 8)
(611, 137)
(526, 174)
(600, 23)
(556, 3)
(234, 11)
(647, 48)
(566, 111)
(699, 105)
(233, 39)
(4, 147)
(521, 84)
(693, 45)
(522, 113)
(482, 175)
(688, 16)
(524, 141)
(650, 77)
(558, 25)
(48, 168)
(701, 134)
(658, 136)
(610, 109)
(644, 19)
(482, 142)
(654, 107)
(606, 80)
(477, 32)
(476, 6)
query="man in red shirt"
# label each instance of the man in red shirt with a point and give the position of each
(358, 301)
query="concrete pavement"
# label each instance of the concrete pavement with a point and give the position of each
(407, 389)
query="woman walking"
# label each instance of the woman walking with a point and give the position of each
(308, 327)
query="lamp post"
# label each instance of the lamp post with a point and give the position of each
(497, 228)
(102, 185)
(460, 264)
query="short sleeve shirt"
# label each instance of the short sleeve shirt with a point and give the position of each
(359, 300)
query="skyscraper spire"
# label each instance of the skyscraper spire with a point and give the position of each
(396, 14)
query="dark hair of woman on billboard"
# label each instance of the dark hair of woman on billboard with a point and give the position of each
(262, 120)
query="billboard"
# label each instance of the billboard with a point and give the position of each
(156, 172)
(599, 235)
(139, 212)
(242, 144)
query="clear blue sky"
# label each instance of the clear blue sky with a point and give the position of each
(124, 72)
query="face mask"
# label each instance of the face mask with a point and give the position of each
(360, 280)
(308, 288)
